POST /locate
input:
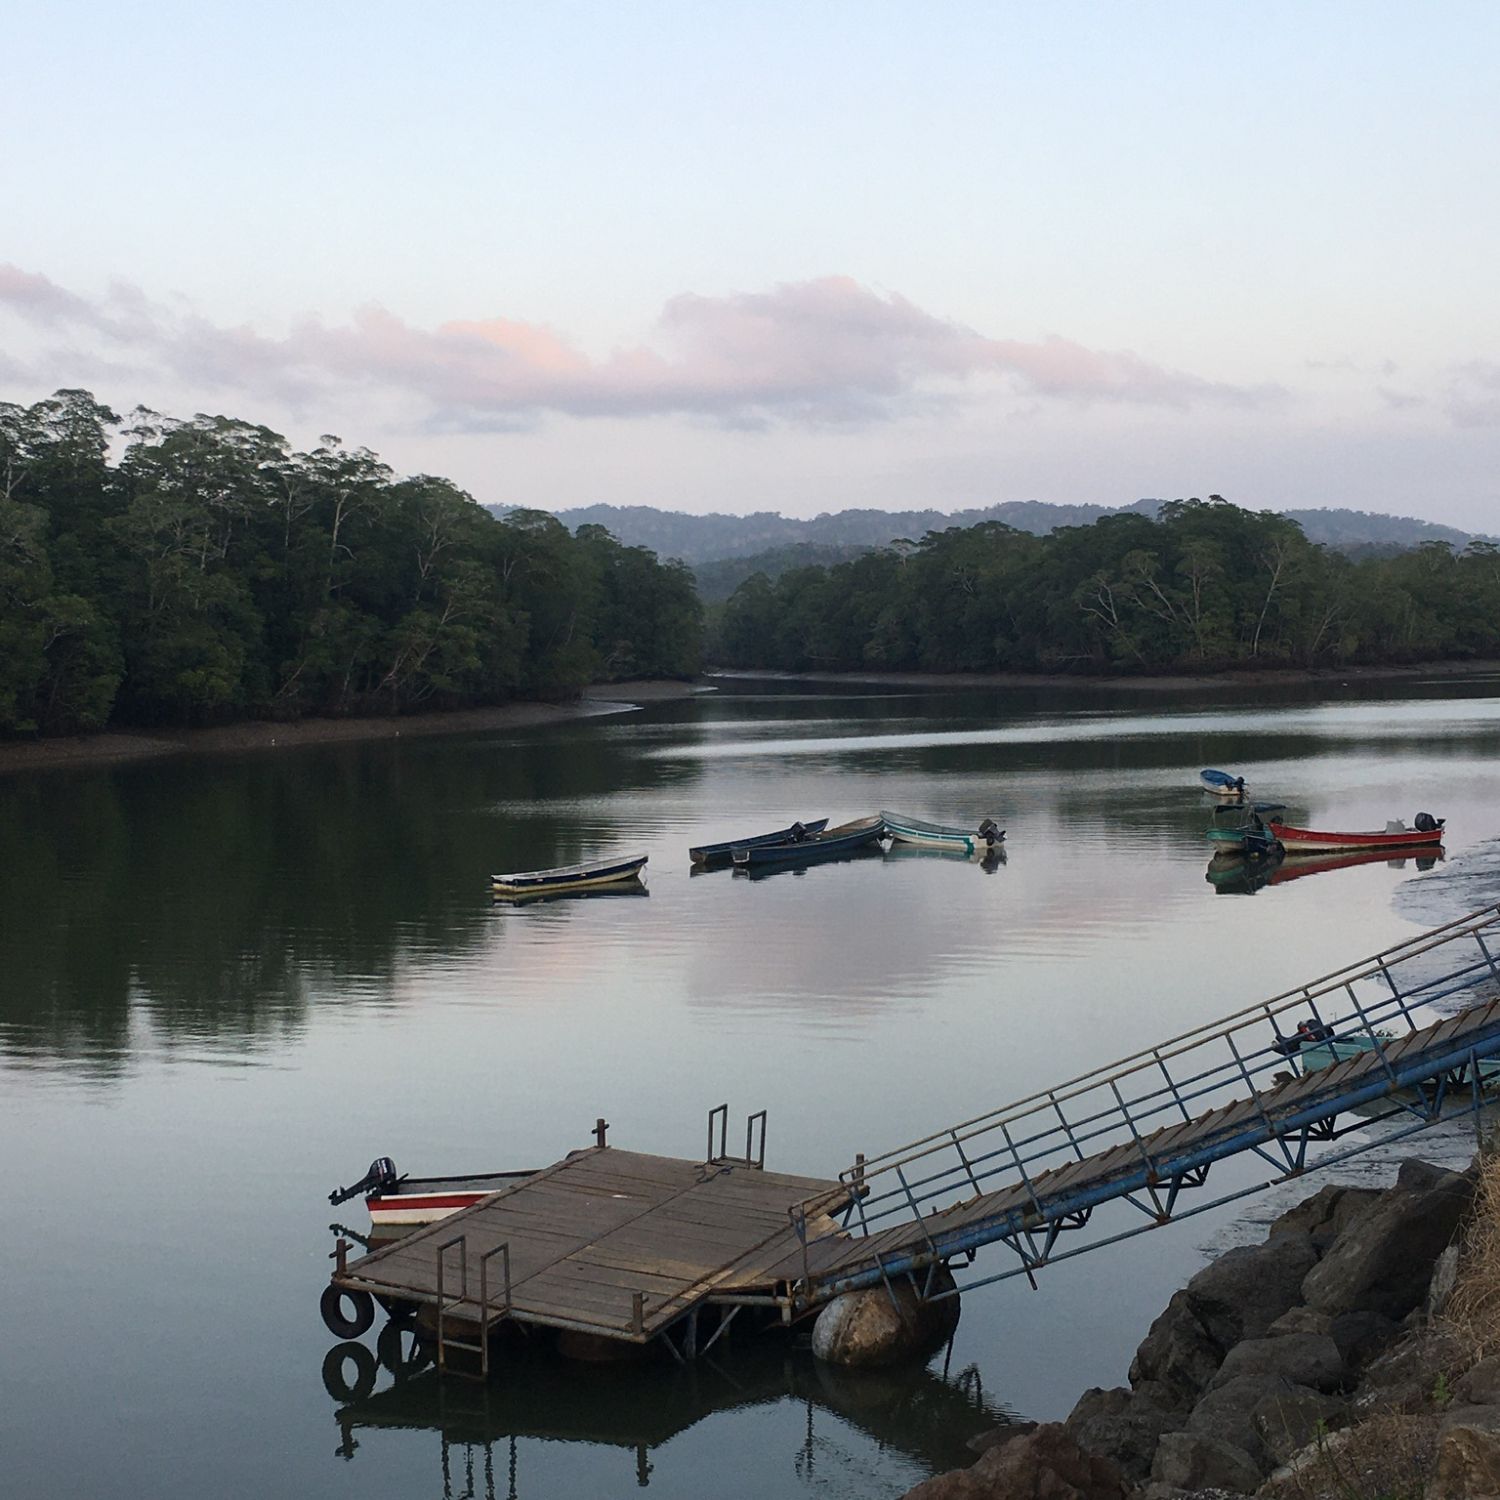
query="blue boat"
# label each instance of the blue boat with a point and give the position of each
(708, 854)
(828, 845)
(1221, 783)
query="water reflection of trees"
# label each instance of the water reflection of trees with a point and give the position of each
(927, 1414)
(212, 896)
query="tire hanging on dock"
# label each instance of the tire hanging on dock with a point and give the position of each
(331, 1305)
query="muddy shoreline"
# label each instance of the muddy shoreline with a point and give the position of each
(115, 746)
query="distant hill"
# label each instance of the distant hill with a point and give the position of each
(1365, 529)
(717, 537)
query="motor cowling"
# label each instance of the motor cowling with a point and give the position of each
(1424, 822)
(381, 1177)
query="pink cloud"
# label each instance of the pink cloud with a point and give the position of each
(821, 351)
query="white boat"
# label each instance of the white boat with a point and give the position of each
(904, 830)
(397, 1199)
(564, 878)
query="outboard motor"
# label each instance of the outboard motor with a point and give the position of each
(1424, 822)
(381, 1177)
(991, 832)
(798, 832)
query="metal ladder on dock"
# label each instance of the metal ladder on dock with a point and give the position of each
(489, 1315)
(1270, 1080)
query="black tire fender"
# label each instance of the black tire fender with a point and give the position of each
(335, 1382)
(331, 1305)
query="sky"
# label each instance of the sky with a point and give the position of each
(792, 257)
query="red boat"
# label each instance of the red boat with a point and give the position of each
(1427, 832)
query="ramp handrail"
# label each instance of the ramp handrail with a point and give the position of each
(1127, 1102)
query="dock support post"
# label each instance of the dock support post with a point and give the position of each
(638, 1312)
(341, 1255)
(601, 1129)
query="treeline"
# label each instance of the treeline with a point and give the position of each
(209, 573)
(1204, 585)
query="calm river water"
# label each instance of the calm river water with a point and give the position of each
(227, 983)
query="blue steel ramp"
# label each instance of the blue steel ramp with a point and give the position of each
(1413, 1026)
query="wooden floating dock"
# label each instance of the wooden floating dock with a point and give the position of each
(614, 1243)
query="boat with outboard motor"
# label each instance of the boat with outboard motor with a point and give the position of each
(904, 830)
(709, 854)
(1221, 783)
(394, 1198)
(1426, 832)
(1241, 827)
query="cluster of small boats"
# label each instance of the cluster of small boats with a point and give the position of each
(1241, 830)
(801, 843)
(805, 843)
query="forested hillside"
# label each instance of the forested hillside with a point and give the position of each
(209, 574)
(1207, 585)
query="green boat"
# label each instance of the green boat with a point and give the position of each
(1326, 1052)
(1240, 827)
(904, 830)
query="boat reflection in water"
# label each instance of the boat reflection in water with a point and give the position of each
(579, 893)
(538, 1399)
(989, 861)
(1238, 875)
(807, 866)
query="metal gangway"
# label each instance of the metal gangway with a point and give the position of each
(1409, 1036)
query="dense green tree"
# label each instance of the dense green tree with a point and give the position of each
(1205, 585)
(211, 573)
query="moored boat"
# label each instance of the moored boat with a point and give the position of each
(1221, 783)
(827, 845)
(1426, 832)
(1241, 827)
(568, 877)
(1311, 1051)
(397, 1199)
(988, 835)
(708, 854)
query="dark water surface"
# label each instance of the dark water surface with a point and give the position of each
(226, 984)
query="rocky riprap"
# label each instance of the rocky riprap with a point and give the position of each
(1271, 1360)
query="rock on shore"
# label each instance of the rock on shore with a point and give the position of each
(1268, 1350)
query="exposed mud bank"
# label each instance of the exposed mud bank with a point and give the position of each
(122, 745)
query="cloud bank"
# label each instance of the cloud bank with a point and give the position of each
(815, 352)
